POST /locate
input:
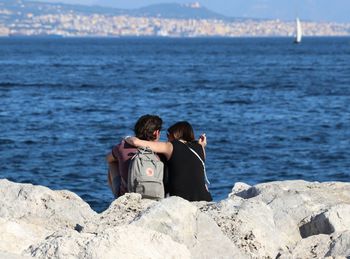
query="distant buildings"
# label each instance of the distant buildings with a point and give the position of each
(72, 24)
(4, 31)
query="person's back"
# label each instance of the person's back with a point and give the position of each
(148, 128)
(186, 172)
(123, 152)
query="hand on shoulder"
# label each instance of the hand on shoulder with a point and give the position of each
(130, 139)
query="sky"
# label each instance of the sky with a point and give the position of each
(314, 10)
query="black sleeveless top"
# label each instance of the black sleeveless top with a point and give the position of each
(186, 172)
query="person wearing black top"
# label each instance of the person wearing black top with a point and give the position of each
(185, 161)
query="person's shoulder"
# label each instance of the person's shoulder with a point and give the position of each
(194, 144)
(123, 145)
(126, 145)
(119, 145)
(196, 147)
(176, 143)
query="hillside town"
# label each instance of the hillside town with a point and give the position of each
(73, 24)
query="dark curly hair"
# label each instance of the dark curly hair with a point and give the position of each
(146, 125)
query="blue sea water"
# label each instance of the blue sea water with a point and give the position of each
(272, 110)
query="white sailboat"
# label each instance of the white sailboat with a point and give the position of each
(299, 31)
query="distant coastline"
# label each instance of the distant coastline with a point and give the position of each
(33, 36)
(160, 37)
(123, 26)
(171, 20)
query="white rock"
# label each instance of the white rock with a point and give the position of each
(182, 221)
(255, 232)
(243, 190)
(17, 236)
(339, 217)
(122, 211)
(6, 255)
(312, 247)
(276, 212)
(117, 242)
(286, 219)
(340, 245)
(43, 207)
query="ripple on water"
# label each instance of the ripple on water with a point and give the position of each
(266, 118)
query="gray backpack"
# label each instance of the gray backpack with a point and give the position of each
(146, 174)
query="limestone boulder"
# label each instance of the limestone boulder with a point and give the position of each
(339, 217)
(116, 242)
(286, 219)
(271, 219)
(340, 246)
(243, 190)
(316, 246)
(17, 235)
(7, 255)
(301, 199)
(328, 221)
(250, 226)
(121, 212)
(336, 245)
(38, 205)
(187, 225)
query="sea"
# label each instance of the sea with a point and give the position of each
(272, 110)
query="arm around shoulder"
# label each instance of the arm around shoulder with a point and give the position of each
(165, 148)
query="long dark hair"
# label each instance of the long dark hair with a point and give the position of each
(182, 130)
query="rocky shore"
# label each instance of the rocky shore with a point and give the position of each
(287, 219)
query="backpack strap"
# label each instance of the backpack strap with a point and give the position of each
(145, 150)
(205, 173)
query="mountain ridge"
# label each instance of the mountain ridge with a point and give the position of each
(178, 11)
(163, 10)
(33, 18)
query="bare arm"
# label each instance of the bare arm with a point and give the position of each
(165, 148)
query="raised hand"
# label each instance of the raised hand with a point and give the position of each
(203, 140)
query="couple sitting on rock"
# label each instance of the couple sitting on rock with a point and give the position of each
(182, 155)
